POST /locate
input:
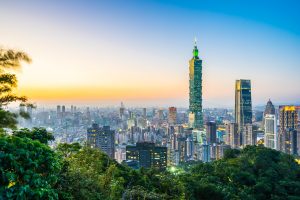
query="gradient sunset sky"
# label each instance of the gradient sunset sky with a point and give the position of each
(135, 51)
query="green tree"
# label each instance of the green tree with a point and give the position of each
(67, 150)
(84, 175)
(255, 172)
(40, 134)
(28, 169)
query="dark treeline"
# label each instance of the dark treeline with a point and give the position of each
(30, 169)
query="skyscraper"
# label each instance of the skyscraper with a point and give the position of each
(288, 116)
(172, 117)
(271, 135)
(102, 138)
(243, 109)
(195, 91)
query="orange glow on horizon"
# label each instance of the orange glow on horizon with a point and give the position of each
(103, 93)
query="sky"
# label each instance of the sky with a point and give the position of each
(137, 51)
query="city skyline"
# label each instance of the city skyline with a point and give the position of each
(101, 57)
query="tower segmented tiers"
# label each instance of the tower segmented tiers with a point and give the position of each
(195, 91)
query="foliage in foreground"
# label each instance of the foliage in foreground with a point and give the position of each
(255, 172)
(29, 169)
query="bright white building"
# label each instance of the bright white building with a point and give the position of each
(270, 131)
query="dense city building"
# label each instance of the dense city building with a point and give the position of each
(102, 138)
(195, 91)
(148, 155)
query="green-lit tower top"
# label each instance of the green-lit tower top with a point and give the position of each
(195, 50)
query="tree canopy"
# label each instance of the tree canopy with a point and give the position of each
(28, 168)
(255, 172)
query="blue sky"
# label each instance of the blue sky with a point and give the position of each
(138, 51)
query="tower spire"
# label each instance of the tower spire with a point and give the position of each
(195, 50)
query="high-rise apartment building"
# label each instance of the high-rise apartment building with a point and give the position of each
(172, 117)
(195, 91)
(271, 136)
(102, 138)
(288, 116)
(148, 155)
(243, 110)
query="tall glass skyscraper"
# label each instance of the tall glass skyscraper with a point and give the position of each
(243, 109)
(195, 95)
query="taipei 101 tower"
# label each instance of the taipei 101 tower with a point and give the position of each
(195, 91)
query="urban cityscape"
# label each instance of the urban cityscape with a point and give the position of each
(149, 100)
(165, 137)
